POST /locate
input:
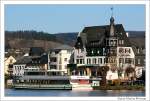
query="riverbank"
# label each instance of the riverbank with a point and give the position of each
(120, 87)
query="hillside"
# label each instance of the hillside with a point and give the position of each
(26, 39)
(68, 38)
(137, 34)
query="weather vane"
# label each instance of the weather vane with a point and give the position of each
(112, 8)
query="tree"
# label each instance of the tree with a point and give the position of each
(120, 70)
(102, 71)
(129, 70)
(113, 69)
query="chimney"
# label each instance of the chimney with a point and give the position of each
(127, 34)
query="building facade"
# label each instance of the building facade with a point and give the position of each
(9, 61)
(99, 46)
(58, 58)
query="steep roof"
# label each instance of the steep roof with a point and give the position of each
(23, 60)
(64, 47)
(33, 59)
(98, 34)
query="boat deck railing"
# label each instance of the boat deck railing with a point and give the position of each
(30, 86)
(46, 77)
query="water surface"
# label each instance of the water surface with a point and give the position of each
(72, 93)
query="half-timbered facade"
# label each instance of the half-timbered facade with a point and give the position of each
(98, 46)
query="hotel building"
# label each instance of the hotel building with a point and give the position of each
(99, 46)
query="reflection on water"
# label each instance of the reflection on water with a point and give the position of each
(73, 93)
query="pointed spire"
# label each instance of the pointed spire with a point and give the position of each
(112, 23)
(112, 8)
(112, 18)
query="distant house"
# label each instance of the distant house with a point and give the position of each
(20, 65)
(36, 51)
(140, 53)
(29, 66)
(9, 61)
(58, 58)
(37, 66)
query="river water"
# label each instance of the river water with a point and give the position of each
(72, 93)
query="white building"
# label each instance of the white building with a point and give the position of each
(20, 65)
(8, 62)
(58, 58)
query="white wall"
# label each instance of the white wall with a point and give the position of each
(64, 55)
(63, 58)
(18, 70)
(8, 62)
(124, 55)
(112, 75)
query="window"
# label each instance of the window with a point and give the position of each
(104, 60)
(115, 42)
(53, 67)
(53, 59)
(77, 60)
(139, 61)
(11, 61)
(128, 60)
(111, 42)
(121, 60)
(127, 50)
(92, 52)
(81, 61)
(138, 50)
(122, 42)
(65, 59)
(94, 60)
(104, 53)
(100, 61)
(88, 61)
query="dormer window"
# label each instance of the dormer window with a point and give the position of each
(92, 52)
(115, 42)
(139, 61)
(127, 50)
(121, 42)
(138, 50)
(111, 42)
